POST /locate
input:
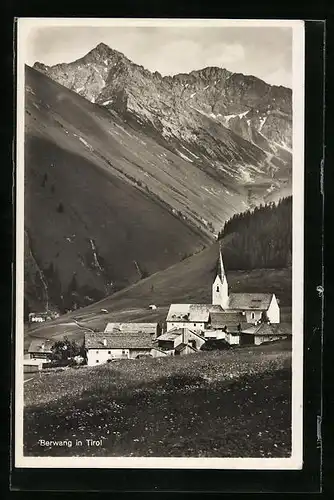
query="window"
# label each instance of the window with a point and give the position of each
(253, 316)
(109, 352)
(217, 289)
(97, 361)
(194, 324)
(97, 352)
(123, 351)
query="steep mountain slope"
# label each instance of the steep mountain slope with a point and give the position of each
(91, 225)
(236, 127)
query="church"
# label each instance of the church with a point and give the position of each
(226, 310)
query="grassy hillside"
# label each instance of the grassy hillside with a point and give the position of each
(234, 403)
(187, 281)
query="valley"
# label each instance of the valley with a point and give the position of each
(128, 173)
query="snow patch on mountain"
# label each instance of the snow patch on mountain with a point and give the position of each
(262, 122)
(184, 156)
(239, 115)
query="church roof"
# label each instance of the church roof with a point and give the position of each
(191, 312)
(250, 301)
(221, 270)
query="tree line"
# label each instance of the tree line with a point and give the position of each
(259, 238)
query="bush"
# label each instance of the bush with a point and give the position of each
(215, 345)
(64, 351)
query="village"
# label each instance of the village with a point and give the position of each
(232, 319)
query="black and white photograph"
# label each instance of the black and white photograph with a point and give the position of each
(159, 264)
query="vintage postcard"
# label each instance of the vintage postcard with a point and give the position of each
(159, 266)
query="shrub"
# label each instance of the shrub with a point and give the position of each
(215, 345)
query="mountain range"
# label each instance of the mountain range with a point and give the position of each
(128, 172)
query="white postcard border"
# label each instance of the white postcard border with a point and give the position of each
(25, 25)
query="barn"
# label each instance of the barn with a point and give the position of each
(40, 349)
(265, 332)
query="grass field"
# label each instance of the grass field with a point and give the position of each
(234, 403)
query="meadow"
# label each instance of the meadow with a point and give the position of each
(234, 403)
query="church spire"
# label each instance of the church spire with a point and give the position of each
(221, 270)
(220, 285)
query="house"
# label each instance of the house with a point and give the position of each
(42, 316)
(153, 329)
(265, 332)
(102, 347)
(223, 323)
(40, 349)
(170, 340)
(193, 316)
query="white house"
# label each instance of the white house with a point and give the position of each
(103, 347)
(193, 316)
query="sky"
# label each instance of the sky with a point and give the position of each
(265, 52)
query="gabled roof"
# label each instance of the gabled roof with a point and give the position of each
(268, 329)
(179, 331)
(181, 347)
(250, 301)
(234, 329)
(115, 341)
(191, 313)
(221, 319)
(170, 335)
(131, 327)
(36, 345)
(221, 270)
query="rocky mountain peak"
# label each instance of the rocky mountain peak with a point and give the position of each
(40, 67)
(190, 107)
(103, 52)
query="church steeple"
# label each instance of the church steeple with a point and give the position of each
(221, 270)
(220, 285)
